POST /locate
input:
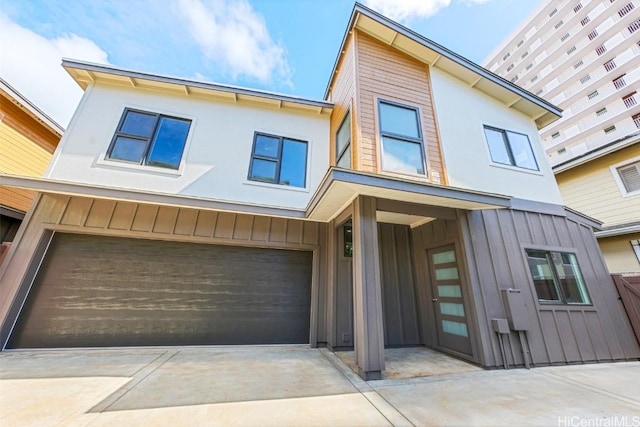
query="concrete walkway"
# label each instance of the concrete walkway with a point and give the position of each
(297, 386)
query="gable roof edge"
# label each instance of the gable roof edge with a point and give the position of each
(441, 50)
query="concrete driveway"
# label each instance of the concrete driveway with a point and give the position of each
(297, 386)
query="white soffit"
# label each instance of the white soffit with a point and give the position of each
(340, 194)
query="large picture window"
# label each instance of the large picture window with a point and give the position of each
(278, 160)
(401, 134)
(149, 139)
(343, 143)
(510, 148)
(557, 277)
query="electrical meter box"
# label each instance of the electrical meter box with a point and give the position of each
(515, 309)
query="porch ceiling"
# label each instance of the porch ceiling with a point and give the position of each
(340, 187)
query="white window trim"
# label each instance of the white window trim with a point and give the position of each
(618, 180)
(103, 161)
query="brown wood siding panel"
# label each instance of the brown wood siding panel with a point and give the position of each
(243, 227)
(145, 218)
(165, 220)
(224, 225)
(278, 230)
(100, 213)
(261, 227)
(111, 291)
(76, 212)
(387, 73)
(123, 215)
(310, 232)
(186, 222)
(294, 232)
(343, 92)
(205, 223)
(559, 333)
(629, 290)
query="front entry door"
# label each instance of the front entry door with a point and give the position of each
(451, 316)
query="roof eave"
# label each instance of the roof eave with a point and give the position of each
(73, 66)
(551, 114)
(31, 108)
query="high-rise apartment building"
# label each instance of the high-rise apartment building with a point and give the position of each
(584, 56)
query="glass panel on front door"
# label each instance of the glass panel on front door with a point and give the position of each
(449, 307)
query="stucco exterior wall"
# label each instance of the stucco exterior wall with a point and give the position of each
(461, 113)
(216, 158)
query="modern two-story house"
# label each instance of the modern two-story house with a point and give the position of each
(412, 206)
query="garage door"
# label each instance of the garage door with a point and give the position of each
(96, 291)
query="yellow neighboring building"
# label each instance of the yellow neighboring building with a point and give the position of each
(28, 138)
(605, 184)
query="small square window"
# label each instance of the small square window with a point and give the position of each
(630, 177)
(149, 139)
(557, 277)
(510, 148)
(278, 160)
(401, 135)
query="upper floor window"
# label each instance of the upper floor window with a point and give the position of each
(278, 160)
(401, 134)
(149, 139)
(510, 148)
(343, 143)
(557, 277)
(630, 177)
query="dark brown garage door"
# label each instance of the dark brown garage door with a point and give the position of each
(95, 291)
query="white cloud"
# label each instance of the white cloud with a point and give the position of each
(31, 64)
(235, 38)
(402, 10)
(472, 2)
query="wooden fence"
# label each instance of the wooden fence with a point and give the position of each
(629, 290)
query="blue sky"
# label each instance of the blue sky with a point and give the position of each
(286, 46)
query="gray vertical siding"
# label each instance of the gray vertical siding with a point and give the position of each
(495, 249)
(398, 286)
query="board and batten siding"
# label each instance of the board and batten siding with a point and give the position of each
(386, 73)
(21, 156)
(127, 219)
(495, 248)
(591, 188)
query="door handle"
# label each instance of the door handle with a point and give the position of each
(435, 300)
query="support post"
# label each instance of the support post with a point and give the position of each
(367, 291)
